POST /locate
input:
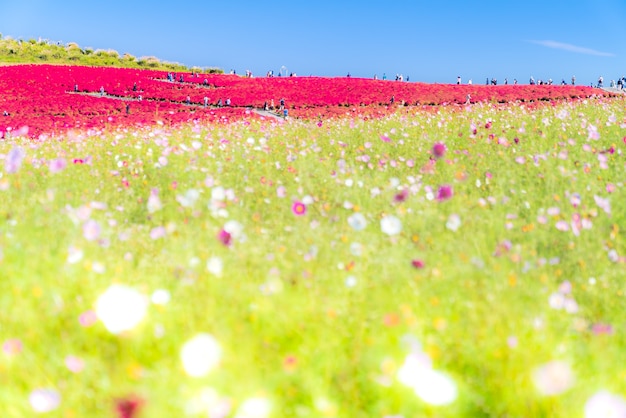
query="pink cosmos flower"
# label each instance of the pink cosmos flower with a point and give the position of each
(12, 347)
(439, 149)
(74, 364)
(402, 196)
(444, 193)
(298, 208)
(600, 329)
(57, 165)
(418, 264)
(158, 232)
(553, 378)
(91, 230)
(224, 237)
(88, 318)
(128, 407)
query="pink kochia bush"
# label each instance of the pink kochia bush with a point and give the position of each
(50, 99)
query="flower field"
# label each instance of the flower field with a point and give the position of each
(381, 261)
(50, 99)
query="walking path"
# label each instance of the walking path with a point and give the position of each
(614, 90)
(260, 112)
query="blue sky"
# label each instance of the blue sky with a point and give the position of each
(430, 41)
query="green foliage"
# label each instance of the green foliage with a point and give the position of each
(33, 51)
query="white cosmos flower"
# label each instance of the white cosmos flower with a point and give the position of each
(208, 402)
(121, 308)
(189, 198)
(604, 405)
(154, 201)
(215, 266)
(391, 225)
(454, 222)
(435, 388)
(254, 408)
(235, 229)
(200, 355)
(357, 221)
(553, 378)
(44, 400)
(432, 386)
(160, 297)
(414, 363)
(74, 255)
(218, 193)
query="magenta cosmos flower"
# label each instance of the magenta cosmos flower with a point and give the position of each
(439, 149)
(224, 237)
(444, 193)
(298, 208)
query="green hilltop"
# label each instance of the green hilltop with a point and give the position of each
(43, 51)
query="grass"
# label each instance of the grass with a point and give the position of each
(313, 317)
(32, 51)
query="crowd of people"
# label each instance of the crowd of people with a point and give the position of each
(619, 84)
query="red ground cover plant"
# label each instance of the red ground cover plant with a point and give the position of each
(50, 99)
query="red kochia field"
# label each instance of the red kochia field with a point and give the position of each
(50, 99)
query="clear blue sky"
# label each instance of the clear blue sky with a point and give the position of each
(430, 41)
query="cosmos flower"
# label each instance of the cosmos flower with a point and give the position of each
(391, 225)
(357, 221)
(13, 161)
(208, 402)
(128, 407)
(200, 355)
(154, 202)
(121, 308)
(224, 237)
(12, 347)
(257, 407)
(158, 232)
(74, 364)
(91, 230)
(444, 193)
(604, 404)
(430, 385)
(235, 229)
(553, 378)
(439, 149)
(298, 208)
(188, 199)
(454, 222)
(603, 203)
(44, 400)
(418, 264)
(160, 297)
(57, 165)
(215, 266)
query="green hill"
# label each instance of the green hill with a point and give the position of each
(13, 51)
